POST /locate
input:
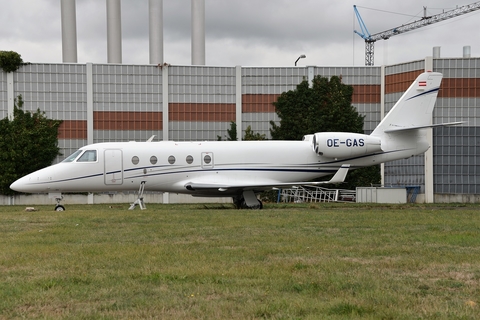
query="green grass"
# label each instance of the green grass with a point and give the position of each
(332, 261)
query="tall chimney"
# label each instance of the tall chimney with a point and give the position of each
(466, 51)
(114, 32)
(155, 22)
(198, 32)
(69, 31)
(436, 52)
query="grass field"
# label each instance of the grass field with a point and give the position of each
(333, 261)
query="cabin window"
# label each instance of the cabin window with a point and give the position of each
(135, 160)
(207, 159)
(73, 156)
(88, 156)
(171, 159)
(189, 159)
(153, 160)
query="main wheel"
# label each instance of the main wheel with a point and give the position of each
(59, 207)
(259, 206)
(239, 202)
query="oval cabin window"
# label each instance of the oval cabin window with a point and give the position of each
(207, 159)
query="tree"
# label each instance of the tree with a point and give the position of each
(326, 106)
(10, 61)
(323, 107)
(232, 133)
(28, 143)
(250, 135)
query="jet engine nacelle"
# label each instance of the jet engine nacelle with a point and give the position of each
(344, 144)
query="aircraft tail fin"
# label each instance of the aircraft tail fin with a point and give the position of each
(415, 107)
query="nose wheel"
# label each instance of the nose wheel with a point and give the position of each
(58, 197)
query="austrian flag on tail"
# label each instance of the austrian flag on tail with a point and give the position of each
(422, 83)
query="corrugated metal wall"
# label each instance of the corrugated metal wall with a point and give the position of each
(3, 95)
(127, 102)
(260, 88)
(457, 149)
(60, 90)
(201, 102)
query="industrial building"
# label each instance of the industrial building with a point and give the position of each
(114, 102)
(118, 102)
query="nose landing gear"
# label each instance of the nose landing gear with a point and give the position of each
(58, 197)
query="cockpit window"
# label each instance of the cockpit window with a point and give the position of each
(73, 156)
(88, 156)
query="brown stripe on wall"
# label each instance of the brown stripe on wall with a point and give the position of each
(460, 88)
(450, 87)
(259, 102)
(366, 93)
(124, 120)
(400, 82)
(203, 112)
(264, 102)
(73, 129)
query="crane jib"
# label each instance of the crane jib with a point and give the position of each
(425, 21)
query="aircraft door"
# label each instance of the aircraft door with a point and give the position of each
(113, 167)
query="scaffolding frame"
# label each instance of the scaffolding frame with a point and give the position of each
(316, 194)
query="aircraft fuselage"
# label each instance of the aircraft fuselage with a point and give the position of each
(168, 166)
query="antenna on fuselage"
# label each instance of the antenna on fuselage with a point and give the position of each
(151, 138)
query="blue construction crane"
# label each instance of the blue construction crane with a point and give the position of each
(370, 39)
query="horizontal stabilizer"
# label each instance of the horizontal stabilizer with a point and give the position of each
(423, 127)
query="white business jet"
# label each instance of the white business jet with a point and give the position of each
(241, 169)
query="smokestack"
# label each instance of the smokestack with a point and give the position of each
(436, 52)
(155, 19)
(466, 51)
(198, 32)
(114, 32)
(69, 31)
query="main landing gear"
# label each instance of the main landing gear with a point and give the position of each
(247, 200)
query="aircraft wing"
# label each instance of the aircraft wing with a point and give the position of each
(339, 177)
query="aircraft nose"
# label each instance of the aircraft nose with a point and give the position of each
(36, 182)
(19, 185)
(28, 184)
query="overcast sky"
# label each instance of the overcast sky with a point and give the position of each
(243, 32)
